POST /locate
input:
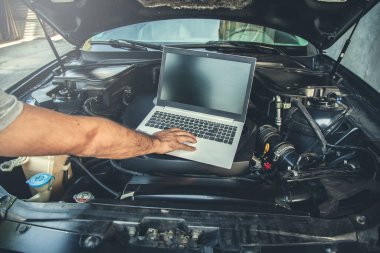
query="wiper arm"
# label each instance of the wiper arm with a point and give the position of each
(223, 45)
(141, 44)
(126, 44)
(241, 45)
(263, 47)
(130, 44)
(245, 45)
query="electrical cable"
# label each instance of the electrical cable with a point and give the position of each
(80, 165)
(346, 147)
(323, 140)
(303, 156)
(124, 170)
(312, 124)
(98, 164)
(87, 107)
(366, 150)
(343, 158)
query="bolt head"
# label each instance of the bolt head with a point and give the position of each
(132, 231)
(331, 250)
(361, 219)
(91, 242)
(23, 229)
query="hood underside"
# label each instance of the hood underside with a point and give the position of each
(321, 22)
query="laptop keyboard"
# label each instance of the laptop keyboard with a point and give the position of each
(200, 128)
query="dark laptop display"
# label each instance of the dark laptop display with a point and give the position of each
(205, 82)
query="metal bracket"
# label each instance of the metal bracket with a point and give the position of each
(6, 201)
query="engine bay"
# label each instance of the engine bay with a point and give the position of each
(302, 148)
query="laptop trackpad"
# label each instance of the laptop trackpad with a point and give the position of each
(209, 152)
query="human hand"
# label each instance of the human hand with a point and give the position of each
(172, 139)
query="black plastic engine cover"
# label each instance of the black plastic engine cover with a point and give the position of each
(165, 164)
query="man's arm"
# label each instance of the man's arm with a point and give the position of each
(38, 131)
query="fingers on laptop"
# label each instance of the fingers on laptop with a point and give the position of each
(184, 138)
(186, 147)
(188, 135)
(174, 129)
(181, 132)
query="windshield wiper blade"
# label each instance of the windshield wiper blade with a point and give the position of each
(125, 44)
(141, 44)
(130, 44)
(241, 45)
(244, 44)
(221, 45)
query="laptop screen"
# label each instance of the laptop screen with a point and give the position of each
(207, 82)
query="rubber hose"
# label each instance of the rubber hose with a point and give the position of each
(312, 123)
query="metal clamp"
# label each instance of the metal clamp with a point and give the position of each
(8, 166)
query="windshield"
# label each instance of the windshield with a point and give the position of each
(200, 31)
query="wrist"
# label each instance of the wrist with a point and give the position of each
(155, 144)
(150, 142)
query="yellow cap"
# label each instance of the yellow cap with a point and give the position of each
(266, 148)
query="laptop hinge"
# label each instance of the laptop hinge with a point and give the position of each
(211, 117)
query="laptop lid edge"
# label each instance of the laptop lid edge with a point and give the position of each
(237, 117)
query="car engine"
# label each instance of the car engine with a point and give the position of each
(301, 150)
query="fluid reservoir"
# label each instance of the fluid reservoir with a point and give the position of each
(40, 186)
(56, 166)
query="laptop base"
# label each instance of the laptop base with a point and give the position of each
(156, 164)
(209, 152)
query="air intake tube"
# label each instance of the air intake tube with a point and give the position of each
(274, 151)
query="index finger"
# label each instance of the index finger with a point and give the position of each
(180, 131)
(175, 129)
(185, 147)
(184, 133)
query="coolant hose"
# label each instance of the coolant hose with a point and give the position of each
(312, 124)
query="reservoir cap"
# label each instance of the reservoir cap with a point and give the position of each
(39, 180)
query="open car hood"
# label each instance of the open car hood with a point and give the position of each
(321, 22)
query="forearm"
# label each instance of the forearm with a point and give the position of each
(111, 140)
(38, 131)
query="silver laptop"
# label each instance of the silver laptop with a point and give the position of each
(206, 94)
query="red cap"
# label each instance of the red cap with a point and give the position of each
(267, 166)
